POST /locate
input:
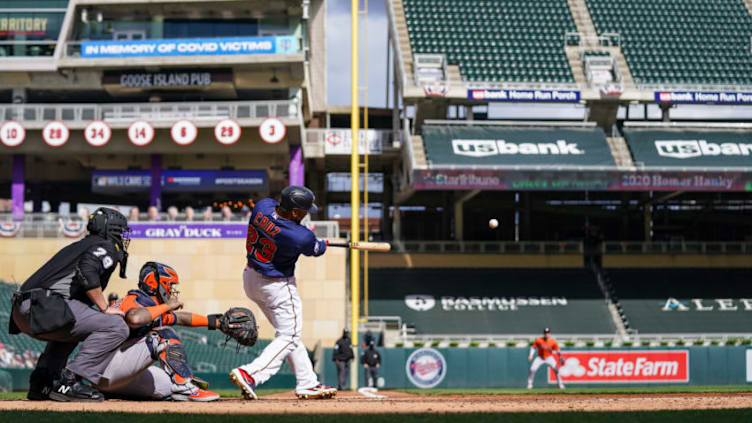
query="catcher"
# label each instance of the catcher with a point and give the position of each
(545, 345)
(149, 311)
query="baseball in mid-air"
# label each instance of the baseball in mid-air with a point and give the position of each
(493, 223)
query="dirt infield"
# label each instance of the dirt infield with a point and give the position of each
(397, 402)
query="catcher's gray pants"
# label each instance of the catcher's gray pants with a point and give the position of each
(372, 376)
(98, 333)
(343, 370)
(130, 373)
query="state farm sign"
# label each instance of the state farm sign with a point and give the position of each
(646, 366)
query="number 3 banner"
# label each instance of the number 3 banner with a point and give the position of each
(272, 130)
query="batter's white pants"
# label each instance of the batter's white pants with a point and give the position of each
(537, 362)
(131, 373)
(279, 301)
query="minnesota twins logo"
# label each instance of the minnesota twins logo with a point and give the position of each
(426, 368)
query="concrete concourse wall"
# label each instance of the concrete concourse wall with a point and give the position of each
(210, 278)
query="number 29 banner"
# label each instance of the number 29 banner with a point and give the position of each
(625, 366)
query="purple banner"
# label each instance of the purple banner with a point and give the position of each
(574, 180)
(184, 230)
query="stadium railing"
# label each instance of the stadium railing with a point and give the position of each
(120, 115)
(676, 247)
(489, 247)
(568, 340)
(51, 225)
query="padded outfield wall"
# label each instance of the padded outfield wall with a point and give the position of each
(210, 274)
(501, 367)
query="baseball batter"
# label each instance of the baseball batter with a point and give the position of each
(275, 241)
(545, 346)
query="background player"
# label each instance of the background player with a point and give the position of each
(545, 346)
(275, 241)
(148, 311)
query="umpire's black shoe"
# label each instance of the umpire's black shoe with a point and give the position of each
(42, 394)
(40, 385)
(69, 388)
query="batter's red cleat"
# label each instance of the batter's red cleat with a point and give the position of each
(245, 382)
(317, 392)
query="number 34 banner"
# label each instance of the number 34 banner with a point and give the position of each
(340, 142)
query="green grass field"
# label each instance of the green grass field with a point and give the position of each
(699, 416)
(684, 416)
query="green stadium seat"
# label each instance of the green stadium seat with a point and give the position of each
(687, 41)
(484, 36)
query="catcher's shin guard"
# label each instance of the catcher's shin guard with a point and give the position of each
(166, 347)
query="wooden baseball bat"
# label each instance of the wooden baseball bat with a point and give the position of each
(365, 246)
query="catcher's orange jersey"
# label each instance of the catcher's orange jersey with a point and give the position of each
(136, 299)
(545, 347)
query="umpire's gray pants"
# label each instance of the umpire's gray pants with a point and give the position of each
(101, 334)
(372, 376)
(343, 371)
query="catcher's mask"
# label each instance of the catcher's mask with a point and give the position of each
(158, 280)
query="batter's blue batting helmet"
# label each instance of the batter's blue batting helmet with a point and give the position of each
(297, 197)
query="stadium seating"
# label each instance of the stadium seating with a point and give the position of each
(465, 301)
(520, 41)
(680, 41)
(644, 293)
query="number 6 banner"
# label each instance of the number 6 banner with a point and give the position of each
(184, 132)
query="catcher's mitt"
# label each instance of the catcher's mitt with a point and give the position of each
(239, 324)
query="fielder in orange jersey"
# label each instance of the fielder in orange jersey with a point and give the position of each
(545, 346)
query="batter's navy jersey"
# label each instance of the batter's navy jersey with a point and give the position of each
(274, 244)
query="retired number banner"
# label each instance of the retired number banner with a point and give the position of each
(626, 366)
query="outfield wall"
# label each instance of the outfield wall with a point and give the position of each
(210, 277)
(508, 367)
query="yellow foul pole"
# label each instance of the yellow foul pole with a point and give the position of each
(355, 177)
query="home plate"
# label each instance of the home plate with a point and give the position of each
(370, 393)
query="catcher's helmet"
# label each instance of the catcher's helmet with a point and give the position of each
(110, 224)
(297, 197)
(158, 280)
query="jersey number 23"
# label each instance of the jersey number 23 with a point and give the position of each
(259, 247)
